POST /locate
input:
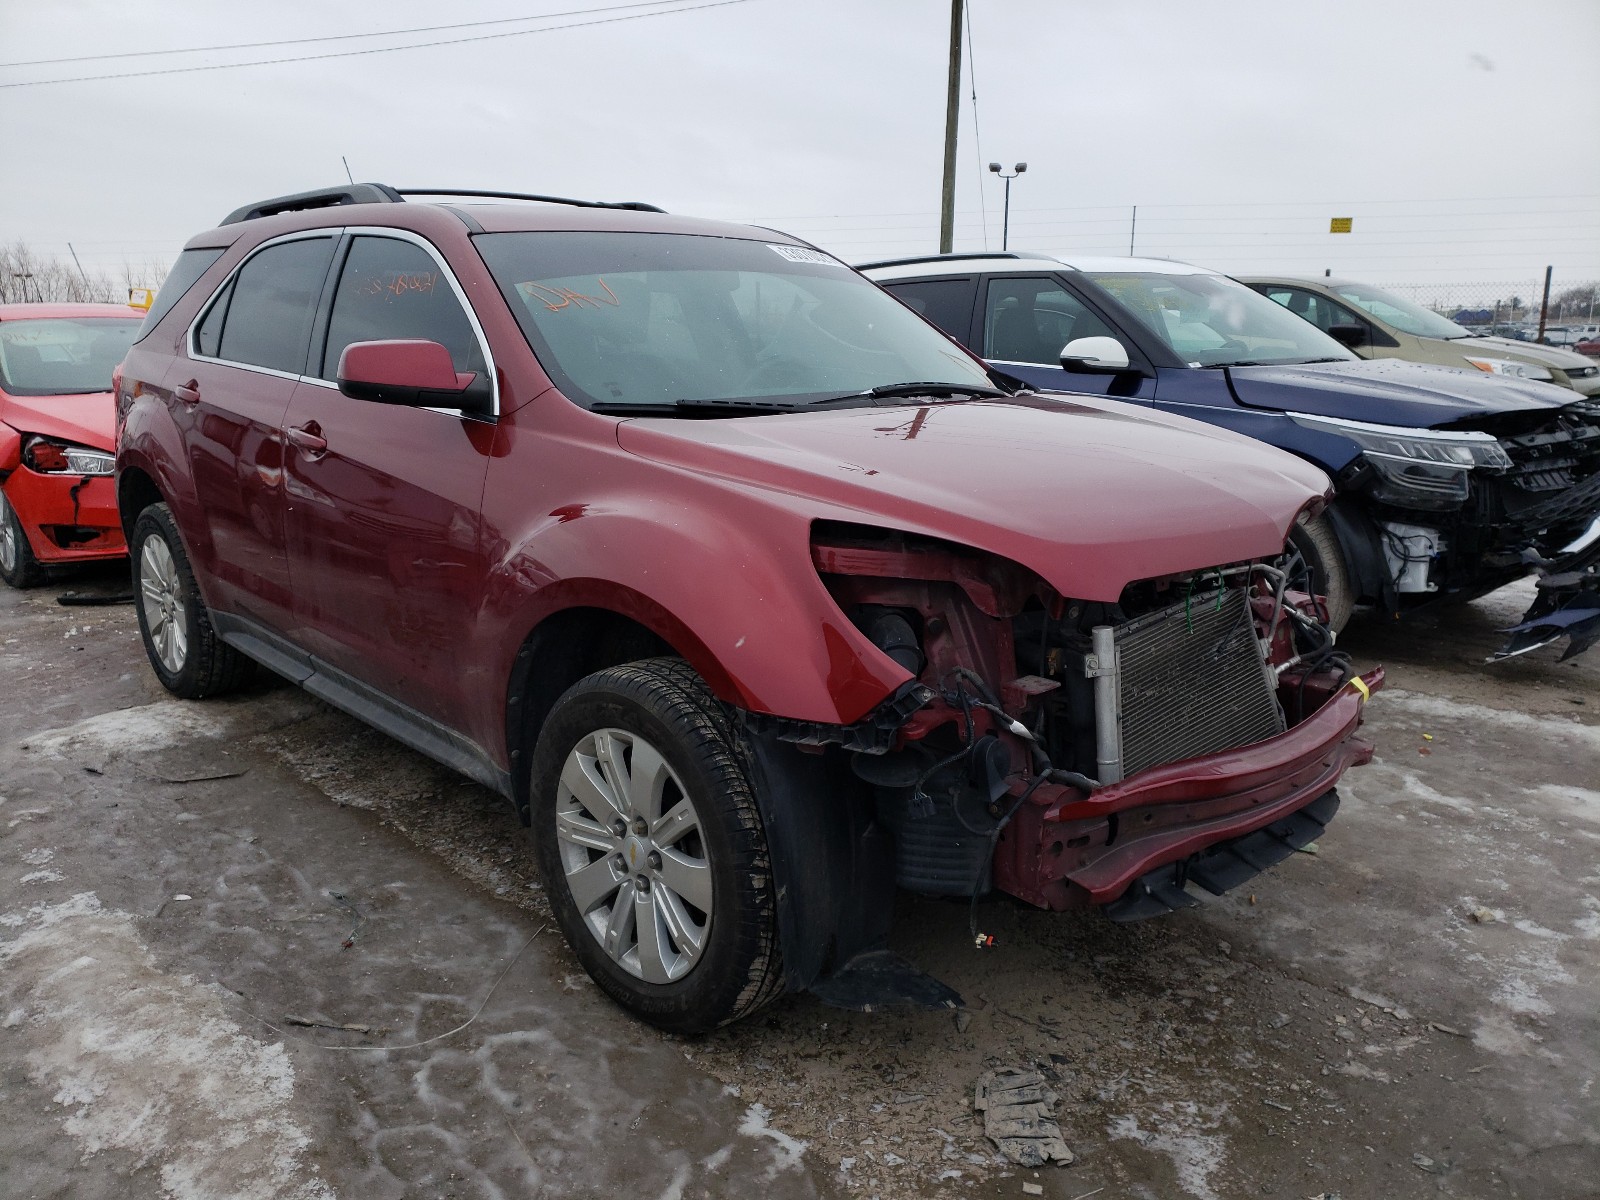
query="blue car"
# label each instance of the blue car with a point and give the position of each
(1449, 483)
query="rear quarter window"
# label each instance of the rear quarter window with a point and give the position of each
(184, 275)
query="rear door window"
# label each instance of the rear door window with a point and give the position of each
(268, 319)
(391, 289)
(945, 302)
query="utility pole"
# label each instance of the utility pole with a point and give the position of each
(952, 121)
(1544, 304)
(86, 285)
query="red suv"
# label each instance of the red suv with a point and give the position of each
(753, 592)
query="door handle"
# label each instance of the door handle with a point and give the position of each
(308, 438)
(188, 393)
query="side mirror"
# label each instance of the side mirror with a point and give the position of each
(1348, 336)
(416, 373)
(1094, 355)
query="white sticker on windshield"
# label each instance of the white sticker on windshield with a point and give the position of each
(800, 254)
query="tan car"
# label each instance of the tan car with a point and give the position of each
(1377, 324)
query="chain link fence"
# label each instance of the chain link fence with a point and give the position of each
(1510, 309)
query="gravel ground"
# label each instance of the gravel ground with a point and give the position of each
(1409, 1011)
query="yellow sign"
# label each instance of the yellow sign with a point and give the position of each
(1340, 224)
(141, 298)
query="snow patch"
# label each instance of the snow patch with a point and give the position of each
(786, 1151)
(150, 1064)
(1195, 1155)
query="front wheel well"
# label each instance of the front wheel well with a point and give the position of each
(136, 492)
(563, 648)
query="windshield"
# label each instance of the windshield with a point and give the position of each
(1402, 314)
(1211, 321)
(55, 356)
(653, 319)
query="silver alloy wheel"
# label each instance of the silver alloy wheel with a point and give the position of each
(8, 536)
(161, 598)
(634, 855)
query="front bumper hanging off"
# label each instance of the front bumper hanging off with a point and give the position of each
(1197, 819)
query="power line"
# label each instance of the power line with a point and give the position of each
(977, 140)
(335, 37)
(482, 37)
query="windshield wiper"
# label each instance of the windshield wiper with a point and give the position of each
(930, 388)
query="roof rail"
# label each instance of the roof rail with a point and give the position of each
(929, 258)
(633, 205)
(350, 193)
(382, 193)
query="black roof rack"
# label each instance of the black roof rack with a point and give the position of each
(382, 193)
(352, 193)
(632, 205)
(928, 258)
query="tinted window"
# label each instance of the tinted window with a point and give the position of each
(275, 295)
(185, 272)
(209, 334)
(392, 289)
(1319, 310)
(1031, 320)
(58, 356)
(945, 302)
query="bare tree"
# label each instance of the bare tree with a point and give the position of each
(26, 275)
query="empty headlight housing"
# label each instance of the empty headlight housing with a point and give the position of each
(1416, 468)
(51, 457)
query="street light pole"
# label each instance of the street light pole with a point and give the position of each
(1005, 226)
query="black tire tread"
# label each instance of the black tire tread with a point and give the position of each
(213, 668)
(672, 690)
(1326, 559)
(29, 571)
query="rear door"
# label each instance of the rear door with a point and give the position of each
(246, 354)
(383, 500)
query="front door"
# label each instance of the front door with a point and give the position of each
(1025, 322)
(383, 500)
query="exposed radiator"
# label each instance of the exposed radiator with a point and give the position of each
(1184, 681)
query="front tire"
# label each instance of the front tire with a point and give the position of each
(652, 850)
(188, 657)
(18, 566)
(1326, 574)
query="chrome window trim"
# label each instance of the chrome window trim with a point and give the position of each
(191, 335)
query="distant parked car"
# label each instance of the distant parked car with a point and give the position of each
(1378, 324)
(1590, 348)
(1447, 480)
(57, 424)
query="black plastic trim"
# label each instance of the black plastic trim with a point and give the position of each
(362, 701)
(354, 193)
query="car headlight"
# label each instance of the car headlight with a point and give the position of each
(1416, 468)
(1504, 366)
(50, 457)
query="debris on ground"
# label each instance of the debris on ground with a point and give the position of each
(1483, 916)
(1019, 1117)
(1423, 1162)
(315, 1023)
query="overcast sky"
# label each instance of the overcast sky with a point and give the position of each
(1463, 137)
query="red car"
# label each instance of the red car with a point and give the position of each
(754, 593)
(57, 421)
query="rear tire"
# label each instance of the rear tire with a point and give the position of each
(652, 850)
(1328, 576)
(18, 566)
(185, 652)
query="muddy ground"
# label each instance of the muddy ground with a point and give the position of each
(1411, 1011)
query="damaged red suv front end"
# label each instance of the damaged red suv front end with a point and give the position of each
(1075, 753)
